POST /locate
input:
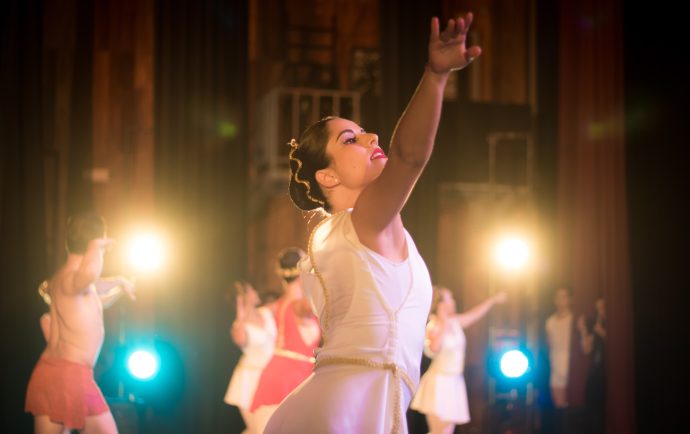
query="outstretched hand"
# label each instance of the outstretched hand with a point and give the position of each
(128, 287)
(239, 300)
(447, 50)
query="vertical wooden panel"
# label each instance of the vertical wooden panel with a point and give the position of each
(511, 25)
(59, 50)
(501, 28)
(123, 90)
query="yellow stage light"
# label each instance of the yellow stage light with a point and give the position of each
(146, 252)
(512, 253)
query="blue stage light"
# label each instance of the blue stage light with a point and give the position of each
(143, 364)
(514, 364)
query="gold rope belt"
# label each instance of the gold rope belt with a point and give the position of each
(398, 374)
(293, 355)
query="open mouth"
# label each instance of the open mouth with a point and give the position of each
(378, 153)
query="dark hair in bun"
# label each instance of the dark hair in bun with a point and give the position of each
(306, 158)
(288, 259)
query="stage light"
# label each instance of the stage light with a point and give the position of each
(514, 364)
(146, 252)
(512, 253)
(143, 364)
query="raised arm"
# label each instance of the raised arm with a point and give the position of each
(479, 311)
(237, 330)
(380, 203)
(586, 338)
(111, 289)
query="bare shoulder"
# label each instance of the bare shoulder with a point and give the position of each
(63, 283)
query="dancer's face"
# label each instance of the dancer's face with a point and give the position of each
(355, 155)
(562, 299)
(447, 303)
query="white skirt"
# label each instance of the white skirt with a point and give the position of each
(444, 396)
(243, 386)
(341, 399)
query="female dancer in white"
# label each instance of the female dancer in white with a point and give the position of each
(364, 276)
(253, 330)
(442, 395)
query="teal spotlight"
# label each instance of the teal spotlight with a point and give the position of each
(514, 364)
(143, 364)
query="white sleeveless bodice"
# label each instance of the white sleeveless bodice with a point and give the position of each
(371, 307)
(450, 358)
(373, 313)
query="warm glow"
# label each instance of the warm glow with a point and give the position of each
(512, 253)
(146, 252)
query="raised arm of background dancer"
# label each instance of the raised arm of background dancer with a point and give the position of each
(111, 289)
(479, 311)
(237, 330)
(586, 338)
(413, 140)
(91, 265)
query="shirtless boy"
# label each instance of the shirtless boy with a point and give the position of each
(62, 394)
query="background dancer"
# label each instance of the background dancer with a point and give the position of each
(62, 393)
(298, 336)
(442, 394)
(254, 331)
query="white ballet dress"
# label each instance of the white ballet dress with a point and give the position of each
(442, 391)
(558, 332)
(372, 312)
(256, 354)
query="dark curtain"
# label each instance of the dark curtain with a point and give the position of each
(201, 190)
(657, 131)
(23, 258)
(593, 236)
(37, 73)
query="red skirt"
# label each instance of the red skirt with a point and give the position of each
(65, 391)
(280, 377)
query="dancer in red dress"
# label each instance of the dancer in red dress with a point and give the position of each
(298, 337)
